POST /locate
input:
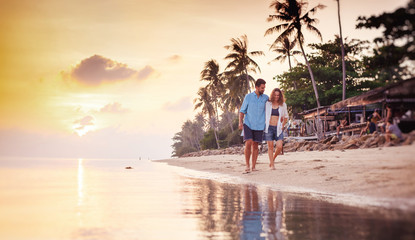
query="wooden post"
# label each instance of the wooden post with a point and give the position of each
(364, 113)
(348, 109)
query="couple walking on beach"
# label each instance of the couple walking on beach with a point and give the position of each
(262, 117)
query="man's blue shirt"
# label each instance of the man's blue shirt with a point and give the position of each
(254, 109)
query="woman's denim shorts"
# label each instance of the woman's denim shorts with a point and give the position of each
(272, 134)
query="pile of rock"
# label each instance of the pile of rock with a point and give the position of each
(331, 143)
(238, 149)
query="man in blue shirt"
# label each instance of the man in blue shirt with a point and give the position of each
(252, 121)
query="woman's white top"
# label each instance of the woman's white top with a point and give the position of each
(283, 114)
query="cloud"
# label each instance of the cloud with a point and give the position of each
(113, 108)
(96, 70)
(145, 72)
(175, 59)
(182, 104)
(83, 122)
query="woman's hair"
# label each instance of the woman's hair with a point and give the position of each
(280, 100)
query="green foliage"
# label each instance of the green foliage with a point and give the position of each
(325, 62)
(234, 138)
(208, 141)
(183, 150)
(226, 136)
(395, 47)
(188, 139)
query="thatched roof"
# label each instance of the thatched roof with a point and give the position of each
(404, 90)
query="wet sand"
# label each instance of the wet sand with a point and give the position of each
(377, 177)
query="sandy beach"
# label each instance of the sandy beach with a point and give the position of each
(369, 177)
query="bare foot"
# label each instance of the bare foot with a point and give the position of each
(272, 167)
(254, 169)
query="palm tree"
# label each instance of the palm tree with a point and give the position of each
(227, 118)
(215, 85)
(240, 59)
(285, 50)
(236, 86)
(188, 139)
(342, 46)
(200, 121)
(198, 128)
(204, 101)
(189, 135)
(290, 13)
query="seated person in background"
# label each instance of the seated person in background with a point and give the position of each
(372, 122)
(342, 124)
(393, 132)
(387, 118)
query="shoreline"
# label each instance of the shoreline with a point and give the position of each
(378, 177)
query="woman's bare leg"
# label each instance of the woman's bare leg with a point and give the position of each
(270, 154)
(278, 149)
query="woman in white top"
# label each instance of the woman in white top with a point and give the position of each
(276, 116)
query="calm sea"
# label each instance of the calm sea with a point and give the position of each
(101, 199)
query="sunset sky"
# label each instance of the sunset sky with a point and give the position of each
(116, 79)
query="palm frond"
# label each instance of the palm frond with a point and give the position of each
(276, 29)
(315, 31)
(314, 9)
(257, 53)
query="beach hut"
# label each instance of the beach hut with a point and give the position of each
(399, 96)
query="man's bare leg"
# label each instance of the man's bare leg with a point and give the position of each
(248, 146)
(254, 154)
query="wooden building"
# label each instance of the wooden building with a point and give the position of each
(400, 97)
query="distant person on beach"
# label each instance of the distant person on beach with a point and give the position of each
(371, 126)
(276, 116)
(392, 131)
(387, 118)
(252, 122)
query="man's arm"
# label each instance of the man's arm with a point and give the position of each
(241, 120)
(242, 112)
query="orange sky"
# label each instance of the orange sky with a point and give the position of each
(124, 73)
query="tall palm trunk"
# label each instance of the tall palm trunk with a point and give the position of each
(342, 47)
(289, 64)
(319, 130)
(311, 74)
(216, 138)
(216, 120)
(247, 79)
(213, 126)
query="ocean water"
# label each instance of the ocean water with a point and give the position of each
(101, 199)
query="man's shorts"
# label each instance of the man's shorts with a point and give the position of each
(271, 135)
(254, 135)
